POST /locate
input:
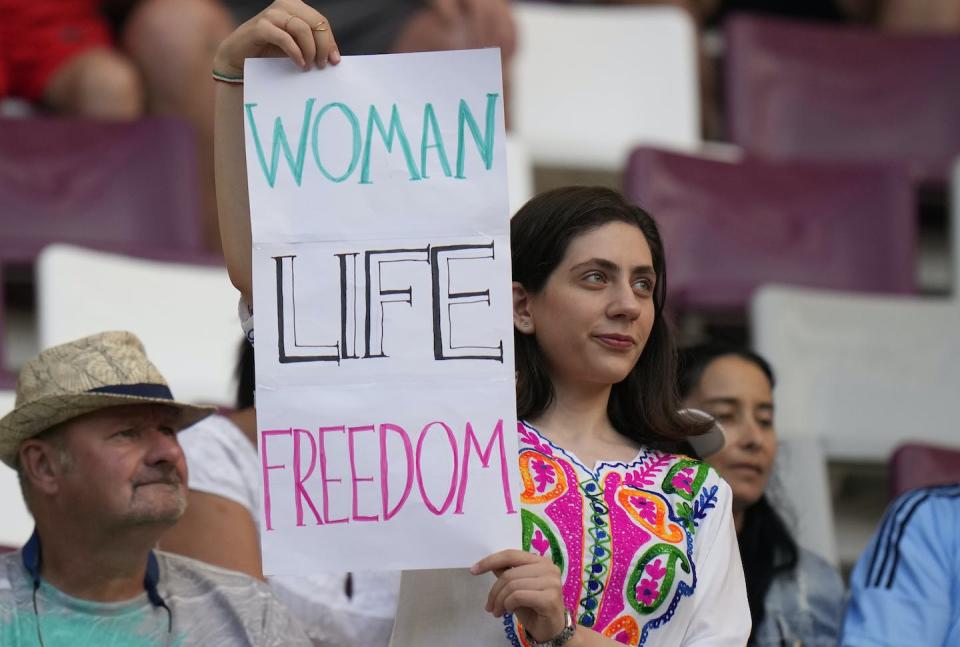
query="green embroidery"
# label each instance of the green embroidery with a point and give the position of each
(679, 480)
(530, 522)
(657, 581)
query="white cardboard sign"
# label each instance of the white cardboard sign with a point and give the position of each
(384, 344)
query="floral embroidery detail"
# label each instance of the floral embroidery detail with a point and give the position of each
(660, 524)
(647, 591)
(531, 438)
(645, 508)
(544, 474)
(539, 543)
(537, 535)
(644, 476)
(651, 591)
(691, 517)
(683, 480)
(543, 478)
(621, 534)
(624, 630)
(655, 571)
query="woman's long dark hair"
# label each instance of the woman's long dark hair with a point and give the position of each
(767, 548)
(644, 405)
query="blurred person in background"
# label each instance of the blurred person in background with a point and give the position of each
(904, 588)
(796, 598)
(342, 609)
(118, 60)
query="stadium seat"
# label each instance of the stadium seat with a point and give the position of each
(801, 491)
(590, 82)
(183, 311)
(117, 186)
(98, 184)
(16, 523)
(865, 373)
(915, 465)
(728, 227)
(800, 90)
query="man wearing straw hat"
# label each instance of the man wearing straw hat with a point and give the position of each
(93, 440)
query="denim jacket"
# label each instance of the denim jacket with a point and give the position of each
(803, 607)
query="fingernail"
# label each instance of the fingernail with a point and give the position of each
(334, 57)
(474, 568)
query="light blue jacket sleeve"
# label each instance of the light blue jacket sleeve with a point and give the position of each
(803, 606)
(904, 587)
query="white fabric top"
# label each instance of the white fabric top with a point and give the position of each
(207, 606)
(446, 607)
(223, 462)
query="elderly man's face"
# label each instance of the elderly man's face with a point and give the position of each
(124, 467)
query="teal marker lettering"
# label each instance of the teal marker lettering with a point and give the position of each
(280, 140)
(431, 127)
(396, 130)
(485, 143)
(355, 155)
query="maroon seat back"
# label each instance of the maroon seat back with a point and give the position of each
(114, 186)
(916, 465)
(729, 227)
(801, 90)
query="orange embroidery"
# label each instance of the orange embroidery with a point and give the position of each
(651, 513)
(543, 478)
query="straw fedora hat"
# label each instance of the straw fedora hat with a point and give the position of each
(103, 370)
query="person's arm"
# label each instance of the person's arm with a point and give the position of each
(218, 531)
(287, 28)
(530, 586)
(721, 613)
(900, 590)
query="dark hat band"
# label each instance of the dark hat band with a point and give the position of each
(143, 390)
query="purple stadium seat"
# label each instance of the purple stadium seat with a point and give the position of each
(114, 186)
(805, 91)
(915, 465)
(730, 227)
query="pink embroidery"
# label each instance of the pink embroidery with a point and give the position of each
(531, 438)
(645, 508)
(544, 474)
(655, 570)
(683, 480)
(647, 591)
(645, 476)
(539, 543)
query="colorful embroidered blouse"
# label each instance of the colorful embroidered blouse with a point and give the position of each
(629, 539)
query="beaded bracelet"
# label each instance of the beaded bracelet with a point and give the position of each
(226, 78)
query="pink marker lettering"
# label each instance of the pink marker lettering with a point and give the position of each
(385, 469)
(300, 493)
(323, 474)
(471, 439)
(266, 469)
(353, 474)
(453, 477)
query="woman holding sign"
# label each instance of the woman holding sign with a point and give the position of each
(623, 541)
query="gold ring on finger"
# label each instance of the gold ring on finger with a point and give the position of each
(320, 26)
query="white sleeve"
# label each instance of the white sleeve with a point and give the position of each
(221, 461)
(721, 615)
